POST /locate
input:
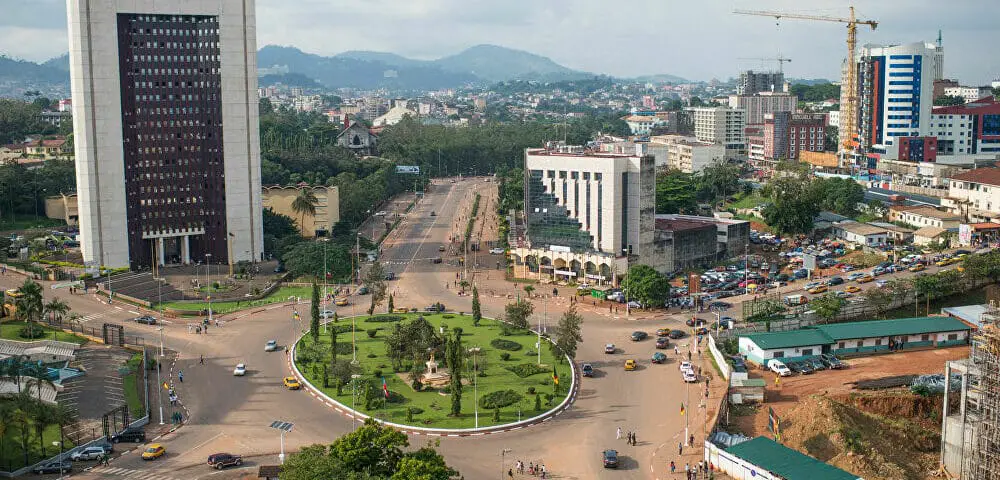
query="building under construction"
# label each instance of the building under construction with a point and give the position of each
(970, 434)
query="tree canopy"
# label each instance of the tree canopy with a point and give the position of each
(646, 285)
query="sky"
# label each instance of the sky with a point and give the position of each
(697, 40)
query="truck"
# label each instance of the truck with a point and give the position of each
(796, 300)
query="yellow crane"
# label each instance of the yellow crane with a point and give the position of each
(848, 110)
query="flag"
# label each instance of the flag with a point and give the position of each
(555, 378)
(165, 386)
(385, 388)
(682, 409)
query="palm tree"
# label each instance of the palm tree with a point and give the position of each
(56, 308)
(6, 421)
(528, 289)
(305, 202)
(42, 417)
(13, 369)
(29, 304)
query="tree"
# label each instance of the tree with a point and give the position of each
(646, 286)
(528, 289)
(984, 265)
(314, 313)
(304, 203)
(29, 304)
(718, 180)
(455, 354)
(311, 462)
(477, 313)
(372, 448)
(568, 333)
(306, 259)
(56, 308)
(423, 464)
(517, 313)
(949, 101)
(926, 285)
(390, 307)
(375, 280)
(676, 192)
(792, 208)
(878, 299)
(838, 195)
(827, 307)
(333, 340)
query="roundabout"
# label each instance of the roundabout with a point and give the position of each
(398, 371)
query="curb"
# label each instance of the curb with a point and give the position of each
(437, 432)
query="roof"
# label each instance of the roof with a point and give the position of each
(926, 211)
(860, 228)
(968, 313)
(929, 232)
(785, 462)
(985, 226)
(748, 382)
(791, 338)
(988, 176)
(899, 326)
(678, 224)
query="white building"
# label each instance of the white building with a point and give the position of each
(760, 104)
(833, 118)
(167, 144)
(969, 94)
(722, 125)
(861, 233)
(975, 194)
(584, 200)
(688, 154)
(642, 124)
(393, 116)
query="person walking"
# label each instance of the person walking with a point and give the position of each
(680, 448)
(544, 471)
(676, 352)
(687, 470)
(618, 435)
(180, 376)
(633, 439)
(673, 466)
(201, 360)
(510, 473)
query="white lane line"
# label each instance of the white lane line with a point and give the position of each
(133, 312)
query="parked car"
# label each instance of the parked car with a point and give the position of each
(496, 251)
(390, 276)
(223, 460)
(609, 348)
(834, 281)
(662, 342)
(689, 376)
(630, 365)
(779, 368)
(686, 366)
(720, 305)
(659, 357)
(153, 451)
(675, 334)
(129, 435)
(588, 370)
(240, 370)
(89, 453)
(818, 289)
(918, 268)
(434, 307)
(441, 248)
(852, 289)
(63, 466)
(291, 383)
(610, 458)
(326, 314)
(805, 368)
(639, 336)
(815, 363)
(866, 279)
(795, 367)
(738, 361)
(832, 361)
(146, 320)
(363, 290)
(271, 345)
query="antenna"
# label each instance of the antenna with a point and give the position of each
(939, 39)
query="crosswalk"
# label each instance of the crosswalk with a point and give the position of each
(131, 473)
(92, 316)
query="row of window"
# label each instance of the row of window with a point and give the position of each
(139, 111)
(176, 71)
(175, 213)
(172, 123)
(190, 97)
(192, 19)
(150, 202)
(572, 175)
(175, 58)
(149, 137)
(183, 32)
(178, 84)
(161, 175)
(168, 162)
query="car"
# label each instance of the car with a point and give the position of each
(795, 367)
(834, 281)
(434, 307)
(129, 435)
(326, 314)
(363, 290)
(291, 383)
(917, 268)
(701, 331)
(433, 213)
(53, 467)
(146, 320)
(271, 346)
(881, 283)
(588, 370)
(610, 458)
(662, 342)
(662, 332)
(805, 368)
(843, 294)
(720, 305)
(390, 276)
(866, 279)
(852, 289)
(341, 302)
(496, 251)
(400, 310)
(854, 276)
(738, 361)
(240, 370)
(816, 363)
(675, 334)
(436, 260)
(832, 361)
(779, 368)
(659, 357)
(962, 252)
(630, 365)
(689, 376)
(280, 268)
(639, 336)
(223, 460)
(812, 285)
(381, 213)
(685, 365)
(634, 304)
(441, 248)
(89, 453)
(819, 289)
(609, 348)
(153, 451)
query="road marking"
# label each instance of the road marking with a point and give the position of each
(133, 312)
(202, 444)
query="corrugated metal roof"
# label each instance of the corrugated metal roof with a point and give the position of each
(785, 462)
(886, 328)
(792, 338)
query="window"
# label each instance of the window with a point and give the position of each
(841, 344)
(861, 343)
(807, 351)
(925, 337)
(878, 341)
(778, 354)
(952, 337)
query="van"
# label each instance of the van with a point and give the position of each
(796, 300)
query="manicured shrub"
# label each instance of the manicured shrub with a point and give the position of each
(503, 344)
(385, 318)
(526, 369)
(499, 399)
(505, 356)
(372, 332)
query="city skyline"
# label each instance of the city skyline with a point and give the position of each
(37, 31)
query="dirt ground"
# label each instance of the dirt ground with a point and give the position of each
(792, 390)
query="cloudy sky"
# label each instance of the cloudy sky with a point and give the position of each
(698, 39)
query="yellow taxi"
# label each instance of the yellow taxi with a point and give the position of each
(866, 279)
(817, 289)
(292, 383)
(153, 451)
(341, 302)
(852, 289)
(662, 332)
(630, 365)
(942, 263)
(917, 268)
(400, 310)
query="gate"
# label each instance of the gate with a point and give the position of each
(114, 334)
(116, 421)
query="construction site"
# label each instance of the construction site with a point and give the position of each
(970, 431)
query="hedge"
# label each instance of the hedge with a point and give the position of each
(504, 344)
(386, 318)
(499, 399)
(527, 369)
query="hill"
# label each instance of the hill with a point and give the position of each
(30, 72)
(496, 64)
(290, 79)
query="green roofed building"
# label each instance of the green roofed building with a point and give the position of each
(854, 338)
(765, 459)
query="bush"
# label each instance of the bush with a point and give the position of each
(416, 410)
(372, 332)
(447, 316)
(538, 403)
(386, 318)
(505, 356)
(31, 331)
(531, 390)
(372, 355)
(395, 397)
(343, 348)
(526, 369)
(499, 399)
(502, 344)
(377, 373)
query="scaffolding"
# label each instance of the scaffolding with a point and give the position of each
(982, 401)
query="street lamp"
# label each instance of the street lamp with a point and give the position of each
(59, 443)
(475, 381)
(208, 284)
(284, 427)
(354, 394)
(161, 340)
(159, 386)
(503, 454)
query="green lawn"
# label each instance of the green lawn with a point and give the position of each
(436, 406)
(132, 387)
(11, 454)
(10, 330)
(748, 201)
(26, 222)
(279, 295)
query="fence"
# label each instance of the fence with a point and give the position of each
(95, 334)
(720, 359)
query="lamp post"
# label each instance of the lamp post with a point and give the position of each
(503, 455)
(475, 381)
(107, 270)
(354, 394)
(59, 443)
(284, 427)
(208, 283)
(325, 303)
(159, 386)
(161, 340)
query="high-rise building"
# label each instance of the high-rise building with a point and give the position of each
(720, 125)
(167, 143)
(896, 93)
(752, 82)
(759, 104)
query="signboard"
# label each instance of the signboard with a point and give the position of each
(408, 169)
(595, 277)
(91, 267)
(965, 234)
(694, 283)
(809, 261)
(559, 248)
(565, 272)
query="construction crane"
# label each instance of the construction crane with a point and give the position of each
(781, 61)
(848, 110)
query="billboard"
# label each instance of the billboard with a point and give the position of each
(559, 248)
(965, 234)
(694, 283)
(809, 261)
(408, 169)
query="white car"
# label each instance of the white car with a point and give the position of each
(271, 346)
(496, 251)
(689, 376)
(326, 314)
(240, 370)
(779, 368)
(89, 453)
(686, 366)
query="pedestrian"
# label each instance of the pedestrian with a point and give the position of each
(180, 376)
(206, 329)
(201, 360)
(633, 439)
(544, 471)
(673, 466)
(687, 470)
(531, 468)
(676, 352)
(510, 473)
(680, 448)
(689, 355)
(618, 435)
(692, 440)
